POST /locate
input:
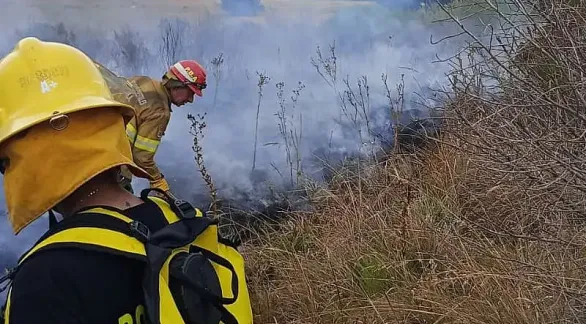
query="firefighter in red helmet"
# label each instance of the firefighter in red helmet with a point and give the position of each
(152, 100)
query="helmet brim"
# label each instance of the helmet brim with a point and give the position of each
(17, 125)
(195, 90)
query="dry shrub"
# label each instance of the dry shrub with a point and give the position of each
(526, 135)
(487, 228)
(403, 251)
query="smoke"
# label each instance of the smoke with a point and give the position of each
(242, 7)
(399, 4)
(406, 4)
(368, 41)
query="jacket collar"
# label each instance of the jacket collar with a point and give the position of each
(162, 90)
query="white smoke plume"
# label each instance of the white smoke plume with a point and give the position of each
(370, 39)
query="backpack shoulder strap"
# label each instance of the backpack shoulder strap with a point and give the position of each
(97, 229)
(172, 207)
(103, 229)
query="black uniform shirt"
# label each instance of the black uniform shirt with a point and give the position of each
(70, 285)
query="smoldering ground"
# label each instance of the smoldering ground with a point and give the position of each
(369, 41)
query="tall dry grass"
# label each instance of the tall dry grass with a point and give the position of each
(488, 227)
(408, 248)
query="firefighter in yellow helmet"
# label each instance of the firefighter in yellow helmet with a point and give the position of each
(152, 100)
(62, 142)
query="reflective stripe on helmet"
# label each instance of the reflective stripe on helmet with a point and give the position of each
(184, 73)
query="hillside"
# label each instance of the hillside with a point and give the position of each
(484, 225)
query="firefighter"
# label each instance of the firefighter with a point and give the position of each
(62, 142)
(62, 139)
(152, 100)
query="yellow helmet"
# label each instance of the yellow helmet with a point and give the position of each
(52, 140)
(43, 80)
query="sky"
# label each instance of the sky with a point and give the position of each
(277, 38)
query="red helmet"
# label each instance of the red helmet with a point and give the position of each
(191, 73)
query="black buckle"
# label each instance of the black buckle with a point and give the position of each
(185, 209)
(140, 231)
(182, 208)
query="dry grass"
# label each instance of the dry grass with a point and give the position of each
(486, 228)
(407, 249)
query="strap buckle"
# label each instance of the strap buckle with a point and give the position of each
(182, 208)
(186, 209)
(140, 231)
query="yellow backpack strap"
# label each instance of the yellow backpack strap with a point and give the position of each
(207, 240)
(167, 210)
(96, 229)
(172, 207)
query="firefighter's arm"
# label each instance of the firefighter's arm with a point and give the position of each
(148, 137)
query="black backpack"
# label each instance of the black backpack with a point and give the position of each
(207, 284)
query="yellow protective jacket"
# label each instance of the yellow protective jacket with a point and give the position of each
(153, 112)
